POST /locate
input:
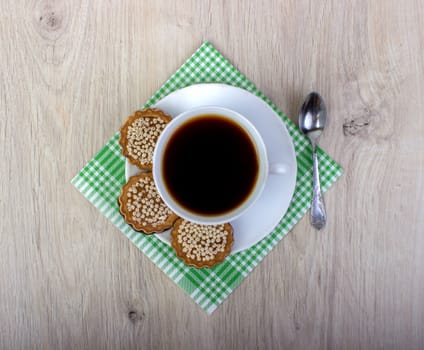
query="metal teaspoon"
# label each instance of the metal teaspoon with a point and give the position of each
(312, 120)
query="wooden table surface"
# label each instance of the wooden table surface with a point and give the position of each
(71, 71)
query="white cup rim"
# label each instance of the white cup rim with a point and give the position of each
(256, 138)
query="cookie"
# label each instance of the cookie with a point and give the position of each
(139, 135)
(142, 207)
(201, 245)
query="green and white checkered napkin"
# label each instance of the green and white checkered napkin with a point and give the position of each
(100, 181)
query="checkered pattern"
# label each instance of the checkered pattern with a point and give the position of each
(101, 179)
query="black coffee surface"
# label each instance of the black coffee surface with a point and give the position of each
(210, 165)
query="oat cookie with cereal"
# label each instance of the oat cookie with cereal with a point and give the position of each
(139, 135)
(201, 245)
(142, 207)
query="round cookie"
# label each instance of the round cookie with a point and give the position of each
(201, 245)
(142, 207)
(139, 135)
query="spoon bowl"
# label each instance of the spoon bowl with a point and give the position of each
(313, 116)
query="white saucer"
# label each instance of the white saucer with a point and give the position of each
(267, 212)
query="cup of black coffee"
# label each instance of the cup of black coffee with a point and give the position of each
(210, 165)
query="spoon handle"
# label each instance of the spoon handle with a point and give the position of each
(318, 214)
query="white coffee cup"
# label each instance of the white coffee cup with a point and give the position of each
(261, 154)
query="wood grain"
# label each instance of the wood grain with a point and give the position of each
(71, 71)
